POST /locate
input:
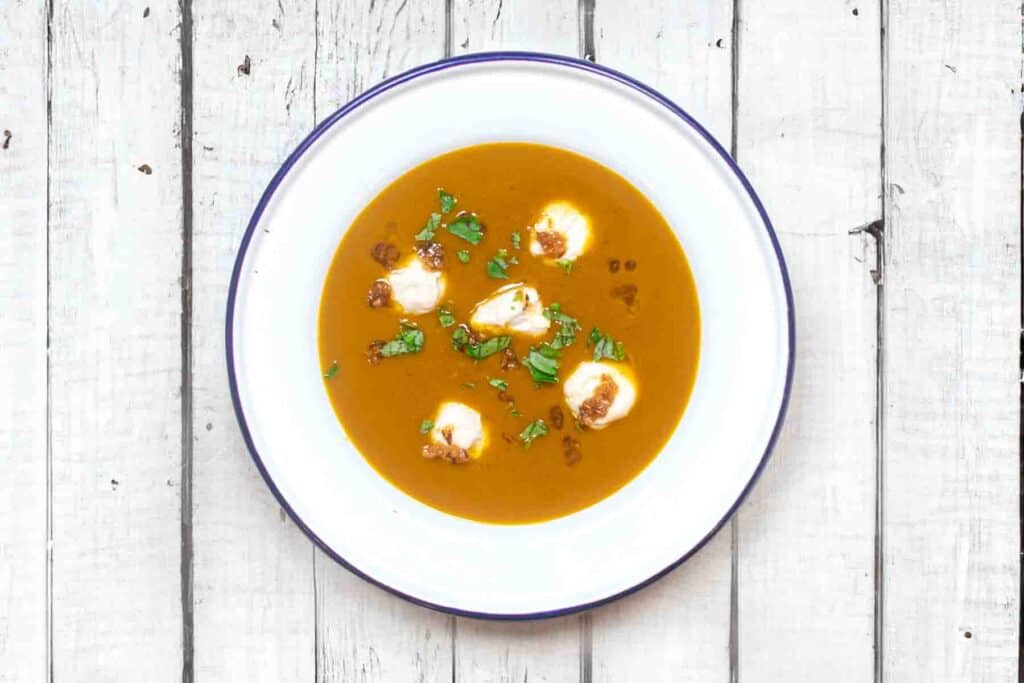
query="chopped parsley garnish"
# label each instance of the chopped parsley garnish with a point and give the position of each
(568, 326)
(516, 240)
(605, 346)
(533, 431)
(426, 426)
(460, 338)
(448, 202)
(445, 317)
(331, 371)
(499, 384)
(463, 255)
(427, 233)
(497, 267)
(408, 340)
(469, 385)
(565, 264)
(543, 364)
(468, 228)
(512, 410)
(488, 347)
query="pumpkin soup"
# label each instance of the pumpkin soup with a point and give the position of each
(509, 332)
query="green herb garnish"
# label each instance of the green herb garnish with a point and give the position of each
(463, 255)
(445, 317)
(460, 338)
(488, 348)
(512, 410)
(427, 233)
(499, 384)
(469, 385)
(565, 264)
(408, 340)
(543, 364)
(515, 240)
(468, 228)
(605, 346)
(331, 371)
(497, 267)
(534, 430)
(568, 326)
(448, 202)
(426, 426)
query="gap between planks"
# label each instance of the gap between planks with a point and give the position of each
(187, 418)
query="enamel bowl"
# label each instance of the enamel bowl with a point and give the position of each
(648, 527)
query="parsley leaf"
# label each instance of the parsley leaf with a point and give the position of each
(499, 384)
(463, 255)
(460, 338)
(488, 348)
(516, 240)
(408, 340)
(331, 371)
(426, 426)
(533, 431)
(497, 267)
(468, 227)
(427, 233)
(565, 264)
(568, 326)
(605, 346)
(469, 385)
(542, 365)
(448, 202)
(512, 410)
(445, 317)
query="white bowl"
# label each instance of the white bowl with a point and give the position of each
(627, 540)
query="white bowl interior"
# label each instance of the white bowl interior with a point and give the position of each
(598, 552)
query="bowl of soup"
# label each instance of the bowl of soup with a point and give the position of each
(510, 335)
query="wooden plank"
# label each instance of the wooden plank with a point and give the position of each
(681, 624)
(479, 25)
(362, 632)
(253, 569)
(808, 125)
(952, 318)
(546, 650)
(115, 341)
(23, 425)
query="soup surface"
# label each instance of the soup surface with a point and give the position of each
(628, 301)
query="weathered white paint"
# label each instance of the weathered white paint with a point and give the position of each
(23, 594)
(541, 25)
(363, 633)
(549, 650)
(253, 569)
(952, 317)
(809, 127)
(683, 50)
(115, 341)
(809, 135)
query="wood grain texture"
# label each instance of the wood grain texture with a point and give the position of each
(682, 622)
(952, 315)
(115, 258)
(364, 633)
(541, 25)
(809, 136)
(253, 569)
(545, 650)
(23, 425)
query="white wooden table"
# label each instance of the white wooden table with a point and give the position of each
(138, 542)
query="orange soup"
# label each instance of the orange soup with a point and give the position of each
(509, 332)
